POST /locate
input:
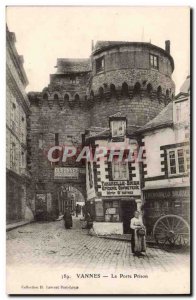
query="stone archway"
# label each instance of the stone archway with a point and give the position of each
(69, 197)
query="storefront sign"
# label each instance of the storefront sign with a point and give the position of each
(60, 173)
(166, 194)
(121, 188)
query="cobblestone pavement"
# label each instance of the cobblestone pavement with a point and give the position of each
(51, 244)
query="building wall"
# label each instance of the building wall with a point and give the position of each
(152, 143)
(49, 118)
(105, 189)
(17, 111)
(165, 192)
(69, 108)
(130, 65)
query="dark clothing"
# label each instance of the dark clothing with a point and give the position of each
(89, 221)
(78, 209)
(68, 220)
(132, 241)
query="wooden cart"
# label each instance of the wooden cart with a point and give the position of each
(167, 220)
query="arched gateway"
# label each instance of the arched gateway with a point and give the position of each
(69, 197)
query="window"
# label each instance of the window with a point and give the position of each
(13, 116)
(73, 79)
(120, 170)
(118, 128)
(178, 161)
(99, 64)
(13, 156)
(181, 163)
(154, 62)
(111, 209)
(172, 162)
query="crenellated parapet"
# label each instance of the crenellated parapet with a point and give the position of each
(63, 99)
(140, 91)
(134, 78)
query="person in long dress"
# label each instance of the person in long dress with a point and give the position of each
(138, 242)
(68, 219)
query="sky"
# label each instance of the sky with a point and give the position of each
(46, 33)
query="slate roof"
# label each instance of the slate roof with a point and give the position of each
(163, 119)
(105, 132)
(185, 88)
(103, 44)
(72, 65)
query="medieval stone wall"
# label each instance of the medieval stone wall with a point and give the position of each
(73, 102)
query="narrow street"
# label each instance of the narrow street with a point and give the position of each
(51, 244)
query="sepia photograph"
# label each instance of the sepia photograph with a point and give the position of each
(98, 150)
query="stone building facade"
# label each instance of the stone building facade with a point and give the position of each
(133, 79)
(19, 201)
(166, 171)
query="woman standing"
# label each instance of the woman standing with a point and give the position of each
(138, 239)
(68, 219)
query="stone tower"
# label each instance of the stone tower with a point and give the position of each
(127, 77)
(130, 77)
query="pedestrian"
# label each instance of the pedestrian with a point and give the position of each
(138, 239)
(68, 219)
(77, 210)
(89, 221)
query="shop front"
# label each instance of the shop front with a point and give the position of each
(116, 206)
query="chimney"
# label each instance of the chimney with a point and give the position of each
(167, 46)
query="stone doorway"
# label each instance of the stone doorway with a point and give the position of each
(128, 208)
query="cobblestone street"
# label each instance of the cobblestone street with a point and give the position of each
(51, 244)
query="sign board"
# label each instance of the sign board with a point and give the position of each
(121, 188)
(167, 193)
(71, 173)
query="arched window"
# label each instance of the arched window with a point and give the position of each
(66, 97)
(101, 92)
(77, 97)
(159, 92)
(56, 97)
(112, 89)
(137, 89)
(125, 89)
(45, 96)
(149, 89)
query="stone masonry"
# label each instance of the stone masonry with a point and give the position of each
(83, 93)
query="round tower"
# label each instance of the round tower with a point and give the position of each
(131, 77)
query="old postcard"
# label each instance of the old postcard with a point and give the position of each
(98, 150)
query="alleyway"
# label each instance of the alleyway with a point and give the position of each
(51, 244)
